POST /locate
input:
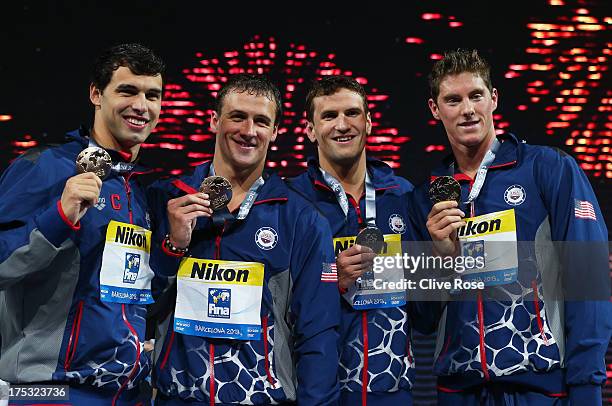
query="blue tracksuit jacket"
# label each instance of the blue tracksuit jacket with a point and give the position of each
(376, 364)
(536, 340)
(54, 326)
(297, 357)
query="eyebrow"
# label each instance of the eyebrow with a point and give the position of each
(244, 113)
(134, 89)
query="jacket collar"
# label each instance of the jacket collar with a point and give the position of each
(507, 157)
(82, 137)
(273, 189)
(381, 175)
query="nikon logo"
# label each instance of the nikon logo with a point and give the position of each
(341, 244)
(127, 236)
(482, 227)
(212, 272)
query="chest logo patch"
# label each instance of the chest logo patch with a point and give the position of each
(397, 224)
(515, 195)
(266, 238)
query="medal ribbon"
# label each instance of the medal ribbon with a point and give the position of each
(116, 166)
(221, 216)
(482, 171)
(336, 187)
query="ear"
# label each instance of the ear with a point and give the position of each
(94, 95)
(368, 124)
(310, 132)
(274, 134)
(433, 107)
(494, 98)
(214, 121)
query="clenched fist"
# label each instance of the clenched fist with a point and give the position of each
(80, 193)
(443, 221)
(352, 263)
(183, 213)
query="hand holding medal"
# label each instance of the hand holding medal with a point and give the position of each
(445, 216)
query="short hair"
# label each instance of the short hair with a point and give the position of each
(138, 58)
(258, 85)
(456, 62)
(329, 85)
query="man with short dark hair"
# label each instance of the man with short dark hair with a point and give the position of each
(74, 247)
(359, 195)
(537, 329)
(256, 314)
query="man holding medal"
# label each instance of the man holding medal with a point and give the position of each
(363, 202)
(75, 273)
(534, 335)
(256, 314)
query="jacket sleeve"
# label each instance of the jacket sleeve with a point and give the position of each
(33, 229)
(314, 312)
(584, 255)
(163, 264)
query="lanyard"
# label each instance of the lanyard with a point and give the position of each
(482, 171)
(247, 203)
(336, 187)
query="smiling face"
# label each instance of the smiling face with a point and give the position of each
(340, 127)
(244, 129)
(127, 109)
(465, 106)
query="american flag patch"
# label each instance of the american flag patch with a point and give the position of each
(329, 273)
(584, 210)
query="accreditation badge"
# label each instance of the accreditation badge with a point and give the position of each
(371, 290)
(125, 275)
(219, 299)
(490, 240)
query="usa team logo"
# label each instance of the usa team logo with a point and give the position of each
(219, 303)
(396, 223)
(132, 266)
(514, 195)
(266, 238)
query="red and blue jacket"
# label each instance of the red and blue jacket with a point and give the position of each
(296, 357)
(376, 361)
(54, 326)
(549, 330)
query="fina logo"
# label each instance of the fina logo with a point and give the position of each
(266, 238)
(219, 303)
(514, 195)
(132, 266)
(396, 223)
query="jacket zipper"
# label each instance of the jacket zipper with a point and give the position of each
(364, 371)
(211, 359)
(136, 367)
(212, 346)
(266, 354)
(536, 303)
(128, 191)
(483, 355)
(74, 335)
